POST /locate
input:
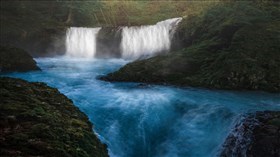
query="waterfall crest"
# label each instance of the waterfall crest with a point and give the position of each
(145, 41)
(135, 42)
(81, 42)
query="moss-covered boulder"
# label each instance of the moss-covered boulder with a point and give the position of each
(14, 59)
(232, 45)
(37, 120)
(256, 135)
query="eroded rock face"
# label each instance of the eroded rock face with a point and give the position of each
(256, 135)
(37, 120)
(108, 43)
(15, 59)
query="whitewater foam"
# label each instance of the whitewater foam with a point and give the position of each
(145, 41)
(137, 41)
(81, 42)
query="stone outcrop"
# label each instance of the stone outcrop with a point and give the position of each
(37, 120)
(256, 135)
(14, 59)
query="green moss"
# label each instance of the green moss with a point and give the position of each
(231, 45)
(40, 121)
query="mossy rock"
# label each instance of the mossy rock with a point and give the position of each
(231, 45)
(14, 59)
(37, 120)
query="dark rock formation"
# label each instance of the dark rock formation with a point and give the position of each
(15, 59)
(108, 43)
(37, 120)
(44, 43)
(256, 135)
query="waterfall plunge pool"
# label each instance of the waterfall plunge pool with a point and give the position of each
(152, 120)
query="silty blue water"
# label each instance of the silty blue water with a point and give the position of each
(149, 120)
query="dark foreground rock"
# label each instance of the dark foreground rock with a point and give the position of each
(14, 59)
(231, 45)
(37, 120)
(256, 135)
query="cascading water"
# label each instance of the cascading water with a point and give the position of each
(81, 42)
(147, 40)
(149, 120)
(137, 41)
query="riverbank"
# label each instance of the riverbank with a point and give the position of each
(137, 120)
(230, 46)
(37, 120)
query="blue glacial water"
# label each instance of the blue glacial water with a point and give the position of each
(152, 120)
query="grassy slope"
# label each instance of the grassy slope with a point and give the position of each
(37, 120)
(229, 46)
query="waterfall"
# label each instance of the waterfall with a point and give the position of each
(81, 42)
(143, 41)
(135, 42)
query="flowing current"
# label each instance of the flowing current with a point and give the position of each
(149, 120)
(137, 41)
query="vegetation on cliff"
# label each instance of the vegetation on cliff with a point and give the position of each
(232, 45)
(39, 26)
(15, 59)
(37, 120)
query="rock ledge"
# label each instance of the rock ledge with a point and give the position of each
(37, 120)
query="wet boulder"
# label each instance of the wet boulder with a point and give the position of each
(255, 135)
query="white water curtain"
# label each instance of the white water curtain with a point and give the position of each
(137, 42)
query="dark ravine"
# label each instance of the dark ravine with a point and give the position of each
(218, 49)
(46, 43)
(108, 43)
(15, 59)
(37, 120)
(255, 135)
